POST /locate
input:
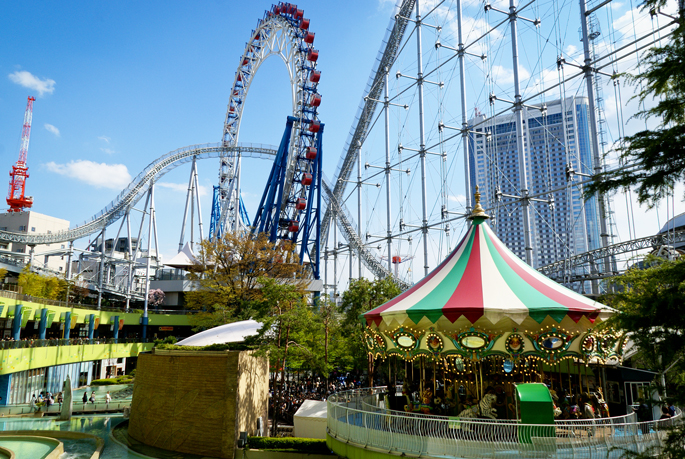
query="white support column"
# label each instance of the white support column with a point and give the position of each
(388, 195)
(520, 144)
(359, 212)
(149, 248)
(596, 158)
(102, 267)
(199, 210)
(422, 140)
(129, 251)
(189, 198)
(464, 115)
(237, 194)
(335, 257)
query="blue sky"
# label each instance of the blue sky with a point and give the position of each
(119, 84)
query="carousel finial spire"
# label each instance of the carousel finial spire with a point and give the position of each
(478, 211)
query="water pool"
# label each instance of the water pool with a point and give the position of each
(100, 426)
(29, 448)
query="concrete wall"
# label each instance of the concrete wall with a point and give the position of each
(32, 222)
(188, 401)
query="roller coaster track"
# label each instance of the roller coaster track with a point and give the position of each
(569, 270)
(135, 190)
(386, 57)
(344, 220)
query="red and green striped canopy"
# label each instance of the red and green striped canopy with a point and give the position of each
(483, 284)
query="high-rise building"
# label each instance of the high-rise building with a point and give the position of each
(557, 144)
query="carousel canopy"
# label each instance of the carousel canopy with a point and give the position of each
(483, 284)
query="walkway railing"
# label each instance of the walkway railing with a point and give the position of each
(26, 343)
(353, 419)
(77, 407)
(5, 293)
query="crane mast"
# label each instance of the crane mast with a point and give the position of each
(15, 197)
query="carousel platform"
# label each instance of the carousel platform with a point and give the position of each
(359, 426)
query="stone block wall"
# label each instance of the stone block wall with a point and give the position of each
(198, 402)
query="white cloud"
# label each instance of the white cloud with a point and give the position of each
(461, 199)
(109, 151)
(504, 76)
(105, 138)
(571, 50)
(52, 129)
(183, 187)
(30, 81)
(100, 175)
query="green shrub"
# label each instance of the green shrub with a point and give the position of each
(124, 379)
(211, 347)
(303, 445)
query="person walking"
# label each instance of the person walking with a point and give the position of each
(85, 398)
(108, 398)
(92, 397)
(60, 399)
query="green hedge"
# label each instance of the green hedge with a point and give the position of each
(211, 347)
(124, 379)
(304, 445)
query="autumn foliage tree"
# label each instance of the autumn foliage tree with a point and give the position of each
(228, 276)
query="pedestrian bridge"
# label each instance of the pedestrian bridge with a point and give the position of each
(16, 356)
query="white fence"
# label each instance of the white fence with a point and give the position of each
(356, 418)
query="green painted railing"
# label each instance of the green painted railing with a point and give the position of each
(16, 360)
(8, 300)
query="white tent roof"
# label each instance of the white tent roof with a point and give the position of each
(310, 420)
(183, 259)
(229, 333)
(313, 409)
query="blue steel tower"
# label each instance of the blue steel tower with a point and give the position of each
(557, 139)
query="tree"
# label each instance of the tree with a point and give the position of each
(651, 304)
(361, 296)
(229, 272)
(33, 284)
(287, 318)
(155, 297)
(655, 157)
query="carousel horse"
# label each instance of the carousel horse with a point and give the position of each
(426, 399)
(485, 406)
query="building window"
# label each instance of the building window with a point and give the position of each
(33, 229)
(22, 228)
(20, 250)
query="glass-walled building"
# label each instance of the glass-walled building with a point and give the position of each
(557, 143)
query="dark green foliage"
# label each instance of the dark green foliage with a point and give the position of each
(651, 302)
(654, 158)
(302, 445)
(244, 346)
(361, 296)
(123, 379)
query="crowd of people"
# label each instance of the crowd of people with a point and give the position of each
(46, 399)
(296, 391)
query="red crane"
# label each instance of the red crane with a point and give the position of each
(15, 197)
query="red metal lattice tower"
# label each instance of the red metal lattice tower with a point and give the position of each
(15, 197)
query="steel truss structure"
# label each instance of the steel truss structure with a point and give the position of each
(283, 32)
(377, 102)
(585, 266)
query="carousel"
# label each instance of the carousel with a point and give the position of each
(480, 324)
